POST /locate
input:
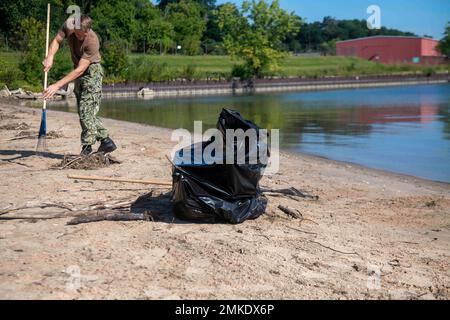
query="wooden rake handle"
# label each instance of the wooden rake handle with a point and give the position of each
(47, 40)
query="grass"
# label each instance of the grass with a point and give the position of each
(143, 68)
(10, 59)
(292, 66)
(204, 64)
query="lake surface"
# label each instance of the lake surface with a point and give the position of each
(399, 129)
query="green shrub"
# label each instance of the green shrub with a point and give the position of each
(146, 70)
(351, 67)
(34, 87)
(241, 71)
(62, 65)
(9, 74)
(114, 59)
(190, 72)
(32, 43)
(429, 71)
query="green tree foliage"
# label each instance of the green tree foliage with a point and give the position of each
(444, 44)
(328, 48)
(114, 20)
(14, 11)
(9, 75)
(206, 4)
(153, 32)
(153, 28)
(189, 24)
(32, 33)
(114, 59)
(138, 22)
(312, 36)
(255, 33)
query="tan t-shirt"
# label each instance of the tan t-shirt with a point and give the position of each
(89, 48)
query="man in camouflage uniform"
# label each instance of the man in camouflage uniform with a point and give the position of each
(88, 75)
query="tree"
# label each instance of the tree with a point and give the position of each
(207, 4)
(255, 33)
(189, 24)
(328, 48)
(153, 31)
(444, 44)
(114, 20)
(114, 59)
(313, 35)
(32, 44)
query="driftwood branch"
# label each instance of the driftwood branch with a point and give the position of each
(95, 178)
(122, 203)
(291, 192)
(86, 216)
(110, 216)
(40, 216)
(104, 206)
(43, 205)
(293, 213)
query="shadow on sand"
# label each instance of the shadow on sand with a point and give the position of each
(21, 154)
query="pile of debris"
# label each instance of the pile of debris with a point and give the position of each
(25, 132)
(93, 161)
(29, 95)
(7, 116)
(15, 126)
(33, 135)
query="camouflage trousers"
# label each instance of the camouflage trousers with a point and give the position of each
(88, 91)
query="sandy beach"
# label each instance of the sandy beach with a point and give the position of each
(371, 234)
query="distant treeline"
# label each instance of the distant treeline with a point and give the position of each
(193, 25)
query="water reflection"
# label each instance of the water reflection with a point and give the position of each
(403, 129)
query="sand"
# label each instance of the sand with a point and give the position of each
(371, 235)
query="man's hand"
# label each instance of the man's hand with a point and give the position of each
(51, 90)
(47, 63)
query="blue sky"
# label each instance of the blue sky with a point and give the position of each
(419, 16)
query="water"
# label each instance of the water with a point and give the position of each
(399, 129)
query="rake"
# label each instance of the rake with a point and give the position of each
(42, 137)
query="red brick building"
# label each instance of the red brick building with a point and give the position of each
(392, 50)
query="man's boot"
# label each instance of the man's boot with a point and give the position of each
(86, 150)
(107, 146)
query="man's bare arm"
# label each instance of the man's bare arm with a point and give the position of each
(74, 74)
(52, 50)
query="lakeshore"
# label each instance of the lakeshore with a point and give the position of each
(371, 235)
(185, 88)
(209, 88)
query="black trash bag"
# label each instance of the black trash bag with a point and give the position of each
(219, 192)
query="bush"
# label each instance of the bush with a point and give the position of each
(9, 74)
(351, 67)
(429, 71)
(34, 87)
(31, 32)
(189, 72)
(114, 59)
(242, 72)
(62, 65)
(145, 70)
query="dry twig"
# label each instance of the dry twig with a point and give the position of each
(338, 251)
(294, 214)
